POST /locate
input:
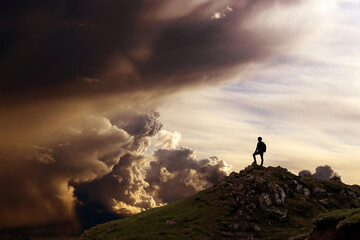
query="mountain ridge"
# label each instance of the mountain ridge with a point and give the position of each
(256, 203)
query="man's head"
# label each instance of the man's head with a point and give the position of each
(259, 139)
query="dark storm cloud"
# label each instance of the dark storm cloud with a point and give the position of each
(321, 173)
(42, 50)
(35, 187)
(47, 46)
(142, 125)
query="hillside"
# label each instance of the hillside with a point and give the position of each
(257, 203)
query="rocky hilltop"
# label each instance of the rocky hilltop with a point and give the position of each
(256, 203)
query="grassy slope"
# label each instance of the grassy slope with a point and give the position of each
(196, 217)
(342, 217)
(202, 216)
(209, 214)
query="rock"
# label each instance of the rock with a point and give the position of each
(262, 202)
(354, 196)
(277, 198)
(306, 192)
(250, 167)
(279, 193)
(280, 215)
(233, 175)
(299, 187)
(319, 191)
(259, 180)
(239, 187)
(251, 206)
(236, 226)
(282, 194)
(257, 228)
(324, 201)
(267, 199)
(250, 178)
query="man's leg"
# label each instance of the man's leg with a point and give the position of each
(254, 157)
(262, 158)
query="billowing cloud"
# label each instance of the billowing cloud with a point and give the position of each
(37, 185)
(176, 173)
(139, 182)
(97, 171)
(321, 173)
(167, 140)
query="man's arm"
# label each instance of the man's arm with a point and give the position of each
(257, 148)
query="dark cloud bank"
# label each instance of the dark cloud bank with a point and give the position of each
(87, 47)
(321, 173)
(79, 82)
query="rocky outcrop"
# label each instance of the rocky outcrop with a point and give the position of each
(273, 196)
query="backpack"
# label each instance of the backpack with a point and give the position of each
(262, 147)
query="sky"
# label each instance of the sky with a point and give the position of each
(304, 105)
(109, 108)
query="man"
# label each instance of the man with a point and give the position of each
(260, 149)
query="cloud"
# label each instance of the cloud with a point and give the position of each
(37, 185)
(120, 192)
(96, 171)
(142, 125)
(177, 174)
(104, 40)
(321, 173)
(88, 80)
(166, 140)
(222, 13)
(44, 154)
(139, 182)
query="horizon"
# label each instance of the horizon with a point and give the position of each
(111, 108)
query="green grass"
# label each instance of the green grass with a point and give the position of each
(353, 219)
(196, 218)
(341, 217)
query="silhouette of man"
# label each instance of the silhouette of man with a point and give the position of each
(260, 149)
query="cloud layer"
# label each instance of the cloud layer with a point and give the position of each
(88, 48)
